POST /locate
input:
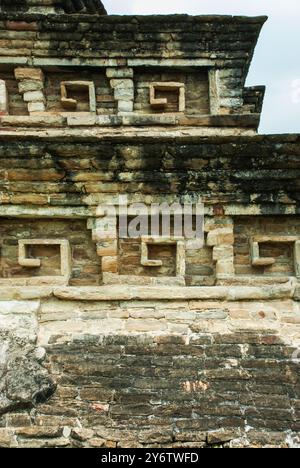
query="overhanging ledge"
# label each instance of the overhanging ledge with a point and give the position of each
(116, 293)
(288, 290)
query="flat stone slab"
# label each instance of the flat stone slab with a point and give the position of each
(236, 293)
(25, 293)
(124, 293)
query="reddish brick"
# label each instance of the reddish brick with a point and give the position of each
(21, 26)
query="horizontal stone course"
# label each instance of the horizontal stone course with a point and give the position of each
(147, 294)
(223, 170)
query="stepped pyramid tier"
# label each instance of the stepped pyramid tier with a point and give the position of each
(149, 236)
(175, 70)
(54, 6)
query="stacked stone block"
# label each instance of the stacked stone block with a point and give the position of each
(222, 240)
(31, 85)
(121, 80)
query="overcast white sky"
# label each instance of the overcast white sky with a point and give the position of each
(276, 62)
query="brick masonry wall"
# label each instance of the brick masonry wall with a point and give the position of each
(155, 374)
(140, 366)
(94, 37)
(260, 172)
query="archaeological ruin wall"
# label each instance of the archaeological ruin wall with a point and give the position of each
(108, 341)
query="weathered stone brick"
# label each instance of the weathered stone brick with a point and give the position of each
(33, 96)
(220, 236)
(29, 74)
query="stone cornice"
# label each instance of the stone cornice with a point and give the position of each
(149, 293)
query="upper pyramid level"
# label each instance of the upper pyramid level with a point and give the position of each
(66, 64)
(54, 6)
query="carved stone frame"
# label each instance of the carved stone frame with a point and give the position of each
(167, 86)
(65, 255)
(71, 104)
(180, 255)
(258, 261)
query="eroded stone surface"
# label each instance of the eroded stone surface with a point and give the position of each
(24, 381)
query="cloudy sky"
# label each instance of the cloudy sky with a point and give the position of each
(277, 59)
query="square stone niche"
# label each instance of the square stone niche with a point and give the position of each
(65, 260)
(161, 92)
(179, 242)
(258, 261)
(73, 91)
